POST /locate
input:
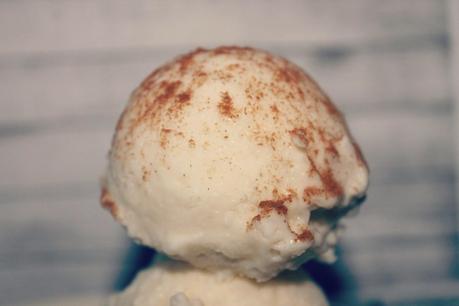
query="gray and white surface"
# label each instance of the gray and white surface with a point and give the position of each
(67, 68)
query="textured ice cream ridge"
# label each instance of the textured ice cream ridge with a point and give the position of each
(176, 284)
(233, 158)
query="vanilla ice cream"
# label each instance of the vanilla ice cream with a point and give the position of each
(233, 159)
(175, 284)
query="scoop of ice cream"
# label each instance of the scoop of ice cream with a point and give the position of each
(175, 284)
(233, 158)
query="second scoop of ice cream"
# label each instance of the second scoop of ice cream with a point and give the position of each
(176, 284)
(233, 158)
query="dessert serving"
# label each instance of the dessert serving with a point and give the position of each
(235, 161)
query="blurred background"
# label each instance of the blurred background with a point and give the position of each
(67, 69)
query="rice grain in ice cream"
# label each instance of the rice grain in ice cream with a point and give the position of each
(234, 159)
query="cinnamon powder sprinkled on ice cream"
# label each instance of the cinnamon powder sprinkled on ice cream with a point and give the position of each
(204, 142)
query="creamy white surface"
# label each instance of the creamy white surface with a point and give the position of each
(176, 284)
(189, 176)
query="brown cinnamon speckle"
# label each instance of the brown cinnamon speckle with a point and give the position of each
(119, 123)
(226, 107)
(169, 89)
(151, 79)
(107, 202)
(276, 205)
(184, 97)
(163, 137)
(290, 75)
(224, 75)
(305, 235)
(304, 135)
(186, 60)
(331, 149)
(331, 186)
(310, 192)
(199, 78)
(232, 67)
(180, 101)
(145, 174)
(358, 153)
(231, 49)
(268, 206)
